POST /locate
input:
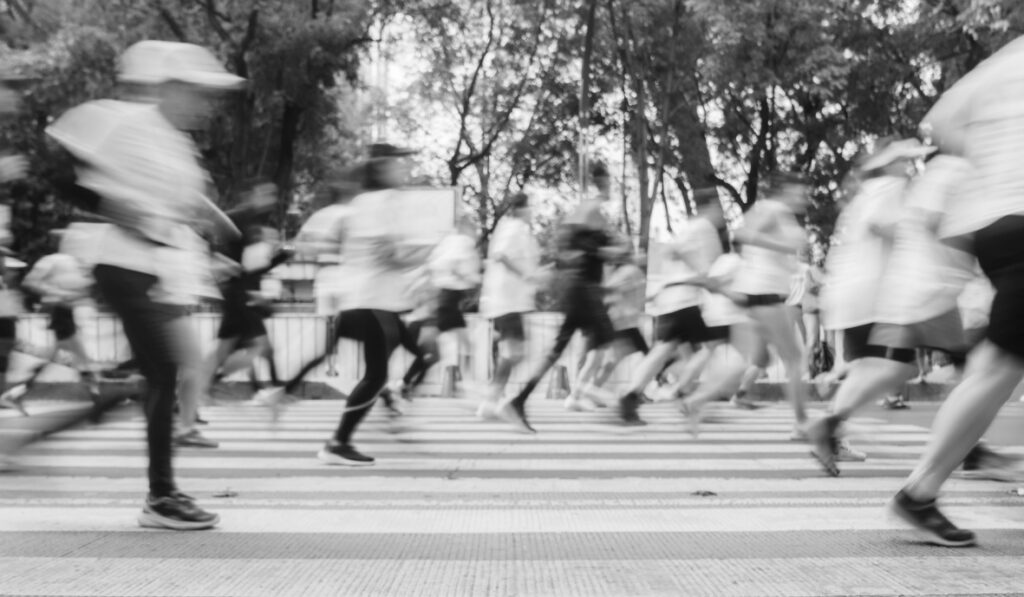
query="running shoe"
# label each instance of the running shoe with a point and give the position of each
(894, 403)
(744, 403)
(390, 404)
(272, 399)
(343, 454)
(13, 399)
(985, 464)
(487, 411)
(193, 439)
(574, 403)
(629, 406)
(177, 512)
(847, 453)
(929, 522)
(515, 412)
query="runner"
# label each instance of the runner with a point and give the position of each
(138, 168)
(454, 268)
(625, 299)
(676, 304)
(980, 118)
(509, 291)
(376, 264)
(771, 238)
(242, 315)
(60, 282)
(584, 245)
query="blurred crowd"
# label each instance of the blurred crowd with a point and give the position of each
(926, 264)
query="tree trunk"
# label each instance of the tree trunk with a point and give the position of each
(646, 201)
(286, 157)
(584, 115)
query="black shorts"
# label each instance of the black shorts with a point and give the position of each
(633, 338)
(856, 341)
(685, 325)
(999, 248)
(242, 322)
(510, 327)
(718, 332)
(62, 322)
(764, 300)
(8, 328)
(584, 310)
(449, 310)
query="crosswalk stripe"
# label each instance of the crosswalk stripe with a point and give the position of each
(450, 488)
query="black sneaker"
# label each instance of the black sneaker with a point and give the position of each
(177, 512)
(514, 411)
(984, 463)
(344, 454)
(930, 523)
(628, 407)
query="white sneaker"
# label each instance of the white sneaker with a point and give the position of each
(665, 394)
(487, 411)
(799, 434)
(597, 396)
(847, 453)
(577, 404)
(272, 399)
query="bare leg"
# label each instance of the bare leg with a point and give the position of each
(777, 324)
(991, 376)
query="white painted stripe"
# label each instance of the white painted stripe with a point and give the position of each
(572, 428)
(555, 501)
(459, 521)
(186, 461)
(342, 484)
(326, 577)
(286, 447)
(496, 433)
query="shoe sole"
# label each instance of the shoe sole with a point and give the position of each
(331, 458)
(896, 514)
(154, 521)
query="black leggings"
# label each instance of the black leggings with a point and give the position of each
(425, 353)
(380, 332)
(148, 327)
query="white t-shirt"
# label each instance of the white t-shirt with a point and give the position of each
(923, 276)
(855, 265)
(719, 310)
(455, 263)
(982, 116)
(59, 277)
(376, 263)
(503, 291)
(766, 271)
(152, 185)
(694, 247)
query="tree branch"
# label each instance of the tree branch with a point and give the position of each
(171, 22)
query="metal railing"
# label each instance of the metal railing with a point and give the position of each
(299, 337)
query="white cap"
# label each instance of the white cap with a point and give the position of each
(151, 62)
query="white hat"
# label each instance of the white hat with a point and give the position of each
(151, 62)
(904, 148)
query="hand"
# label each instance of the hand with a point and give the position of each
(13, 167)
(263, 196)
